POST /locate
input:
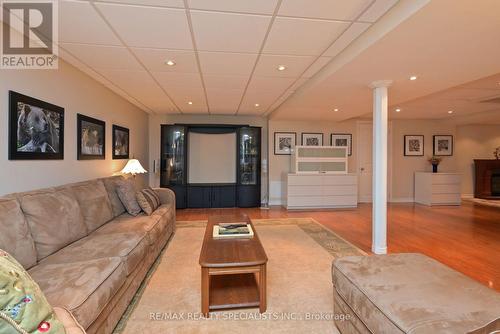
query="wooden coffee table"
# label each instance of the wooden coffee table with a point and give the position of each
(233, 271)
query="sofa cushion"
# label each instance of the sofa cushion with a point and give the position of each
(70, 324)
(411, 293)
(126, 193)
(148, 200)
(110, 183)
(130, 247)
(94, 203)
(54, 218)
(130, 224)
(83, 287)
(15, 236)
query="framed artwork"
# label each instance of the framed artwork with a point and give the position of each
(342, 139)
(443, 145)
(91, 138)
(413, 145)
(284, 142)
(36, 129)
(121, 144)
(312, 139)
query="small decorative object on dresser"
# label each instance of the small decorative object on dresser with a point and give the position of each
(443, 145)
(342, 139)
(91, 138)
(413, 145)
(312, 139)
(435, 161)
(36, 129)
(121, 142)
(284, 142)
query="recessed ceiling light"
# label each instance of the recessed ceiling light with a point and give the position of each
(450, 111)
(190, 102)
(281, 67)
(398, 110)
(170, 62)
(413, 78)
(257, 105)
(336, 109)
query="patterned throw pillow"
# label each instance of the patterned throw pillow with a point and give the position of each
(126, 193)
(23, 307)
(148, 200)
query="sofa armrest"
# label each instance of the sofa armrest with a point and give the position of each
(69, 322)
(167, 196)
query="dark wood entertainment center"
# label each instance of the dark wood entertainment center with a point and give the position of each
(486, 170)
(246, 192)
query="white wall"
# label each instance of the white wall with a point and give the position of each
(77, 93)
(155, 122)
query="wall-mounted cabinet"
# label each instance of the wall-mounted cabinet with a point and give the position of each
(319, 159)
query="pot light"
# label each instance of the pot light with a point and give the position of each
(450, 111)
(398, 110)
(190, 103)
(170, 62)
(257, 105)
(336, 109)
(413, 78)
(281, 67)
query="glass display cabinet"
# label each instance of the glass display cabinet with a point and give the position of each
(173, 172)
(249, 160)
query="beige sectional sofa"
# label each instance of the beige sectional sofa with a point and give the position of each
(86, 253)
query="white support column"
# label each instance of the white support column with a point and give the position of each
(379, 211)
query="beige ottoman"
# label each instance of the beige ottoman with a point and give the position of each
(410, 293)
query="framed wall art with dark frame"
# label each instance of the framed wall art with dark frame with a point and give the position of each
(413, 145)
(91, 138)
(284, 142)
(443, 145)
(312, 139)
(342, 139)
(121, 142)
(36, 129)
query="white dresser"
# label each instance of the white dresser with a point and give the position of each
(437, 188)
(314, 191)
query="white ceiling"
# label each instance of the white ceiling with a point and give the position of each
(226, 51)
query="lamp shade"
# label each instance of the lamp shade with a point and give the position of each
(133, 167)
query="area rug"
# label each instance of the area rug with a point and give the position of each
(487, 202)
(299, 288)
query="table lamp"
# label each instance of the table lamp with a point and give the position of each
(133, 167)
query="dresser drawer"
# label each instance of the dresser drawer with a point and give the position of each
(304, 180)
(446, 189)
(304, 190)
(342, 201)
(446, 178)
(304, 201)
(339, 179)
(340, 190)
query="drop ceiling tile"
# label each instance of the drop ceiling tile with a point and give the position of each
(80, 23)
(154, 60)
(149, 27)
(225, 82)
(224, 101)
(243, 6)
(347, 37)
(297, 84)
(379, 8)
(316, 66)
(215, 31)
(324, 9)
(141, 86)
(295, 65)
(271, 85)
(198, 106)
(158, 3)
(227, 63)
(100, 56)
(172, 81)
(263, 98)
(306, 37)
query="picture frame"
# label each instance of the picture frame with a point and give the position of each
(414, 145)
(442, 145)
(36, 129)
(284, 143)
(342, 139)
(312, 139)
(121, 142)
(91, 138)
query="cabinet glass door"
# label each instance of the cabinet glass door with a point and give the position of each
(249, 155)
(173, 155)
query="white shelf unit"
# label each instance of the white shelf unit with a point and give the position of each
(437, 188)
(316, 191)
(319, 159)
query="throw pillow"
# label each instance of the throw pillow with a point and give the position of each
(23, 307)
(126, 193)
(148, 200)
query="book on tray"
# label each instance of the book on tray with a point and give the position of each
(232, 230)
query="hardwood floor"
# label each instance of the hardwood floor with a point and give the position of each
(466, 238)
